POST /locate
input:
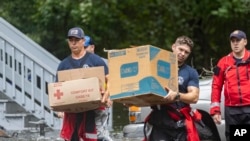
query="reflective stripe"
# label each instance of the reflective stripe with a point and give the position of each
(91, 135)
(214, 104)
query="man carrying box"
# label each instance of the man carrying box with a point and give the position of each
(175, 119)
(81, 126)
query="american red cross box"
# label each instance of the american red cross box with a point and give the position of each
(75, 95)
(78, 90)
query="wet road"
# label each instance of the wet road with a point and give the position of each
(49, 136)
(120, 118)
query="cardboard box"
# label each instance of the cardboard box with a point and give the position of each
(75, 95)
(137, 76)
(78, 90)
(78, 73)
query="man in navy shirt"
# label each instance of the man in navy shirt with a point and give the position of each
(81, 126)
(173, 121)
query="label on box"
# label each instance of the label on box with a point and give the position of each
(75, 94)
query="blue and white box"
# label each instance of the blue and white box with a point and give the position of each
(138, 75)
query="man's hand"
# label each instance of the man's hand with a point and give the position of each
(109, 103)
(105, 94)
(171, 95)
(217, 118)
(106, 99)
(60, 114)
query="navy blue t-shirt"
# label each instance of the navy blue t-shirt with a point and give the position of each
(187, 76)
(88, 60)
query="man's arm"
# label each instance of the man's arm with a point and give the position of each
(105, 93)
(190, 97)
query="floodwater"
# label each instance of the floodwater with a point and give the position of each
(120, 118)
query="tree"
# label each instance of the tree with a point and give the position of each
(118, 24)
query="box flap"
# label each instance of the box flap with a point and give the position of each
(78, 73)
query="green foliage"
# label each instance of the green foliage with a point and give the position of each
(233, 8)
(117, 24)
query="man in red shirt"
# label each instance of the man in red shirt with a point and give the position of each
(233, 73)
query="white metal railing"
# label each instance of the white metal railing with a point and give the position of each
(25, 70)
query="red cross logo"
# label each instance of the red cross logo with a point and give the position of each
(58, 94)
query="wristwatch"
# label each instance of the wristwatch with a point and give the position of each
(177, 97)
